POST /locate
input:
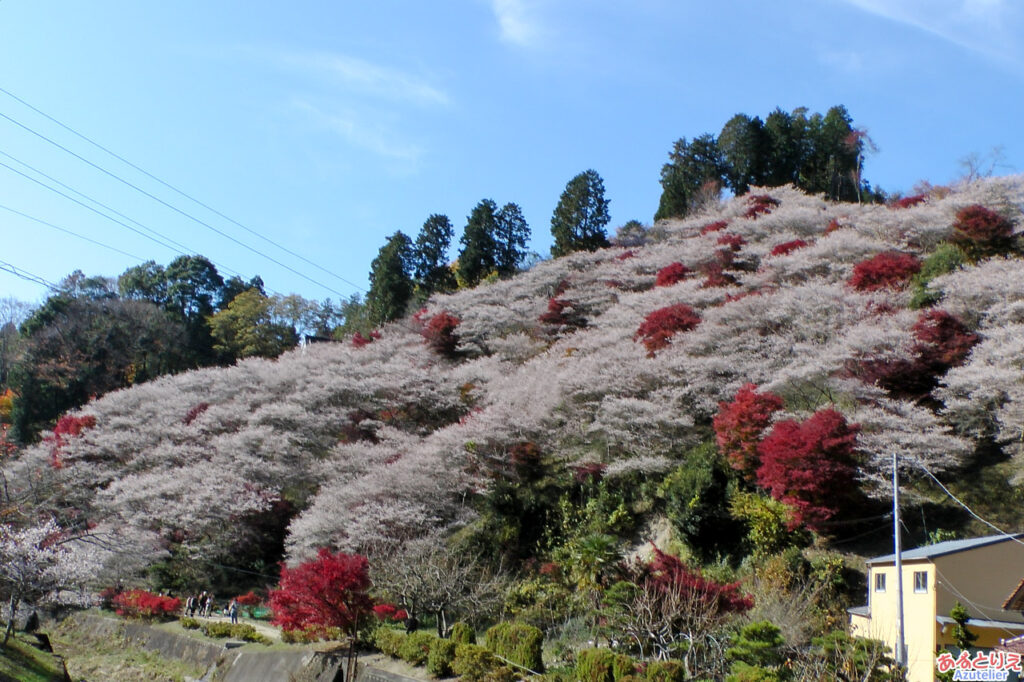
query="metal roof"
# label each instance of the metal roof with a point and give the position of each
(942, 548)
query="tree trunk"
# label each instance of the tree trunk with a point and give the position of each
(10, 621)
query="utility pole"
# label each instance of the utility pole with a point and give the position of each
(901, 647)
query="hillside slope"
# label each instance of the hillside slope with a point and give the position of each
(394, 438)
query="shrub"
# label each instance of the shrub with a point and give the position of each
(595, 665)
(734, 241)
(463, 633)
(889, 269)
(811, 466)
(389, 641)
(473, 662)
(217, 630)
(714, 227)
(440, 657)
(416, 647)
(557, 314)
(300, 635)
(715, 276)
(786, 248)
(623, 666)
(665, 671)
(143, 604)
(945, 259)
(760, 204)
(661, 325)
(247, 633)
(981, 232)
(739, 425)
(189, 623)
(670, 274)
(519, 643)
(439, 334)
(909, 202)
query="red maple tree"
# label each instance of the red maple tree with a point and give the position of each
(889, 269)
(981, 231)
(739, 425)
(670, 274)
(327, 592)
(439, 334)
(786, 248)
(660, 326)
(811, 466)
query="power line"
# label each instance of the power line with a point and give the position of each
(26, 275)
(191, 217)
(71, 232)
(968, 509)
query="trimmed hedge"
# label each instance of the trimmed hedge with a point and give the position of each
(440, 657)
(190, 623)
(389, 641)
(463, 633)
(244, 632)
(519, 643)
(595, 665)
(473, 662)
(415, 649)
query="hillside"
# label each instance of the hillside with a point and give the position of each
(544, 377)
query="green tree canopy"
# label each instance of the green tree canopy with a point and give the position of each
(391, 283)
(246, 328)
(479, 248)
(581, 215)
(691, 165)
(511, 234)
(430, 257)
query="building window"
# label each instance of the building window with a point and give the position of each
(920, 581)
(879, 582)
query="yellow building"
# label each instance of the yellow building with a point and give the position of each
(982, 574)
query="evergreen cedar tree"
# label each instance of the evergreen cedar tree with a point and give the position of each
(430, 257)
(581, 215)
(886, 270)
(811, 466)
(391, 285)
(330, 591)
(660, 326)
(818, 154)
(739, 426)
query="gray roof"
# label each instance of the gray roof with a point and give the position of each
(942, 548)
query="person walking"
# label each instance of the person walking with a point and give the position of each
(233, 611)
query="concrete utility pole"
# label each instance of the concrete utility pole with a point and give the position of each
(901, 647)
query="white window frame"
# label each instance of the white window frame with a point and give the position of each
(921, 582)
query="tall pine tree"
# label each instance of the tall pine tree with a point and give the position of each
(479, 248)
(581, 215)
(430, 257)
(510, 237)
(391, 284)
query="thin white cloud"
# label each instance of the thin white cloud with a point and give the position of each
(517, 21)
(994, 28)
(366, 78)
(359, 132)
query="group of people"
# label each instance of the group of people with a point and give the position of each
(203, 605)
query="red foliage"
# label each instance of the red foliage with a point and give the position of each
(911, 201)
(67, 427)
(668, 574)
(143, 604)
(358, 340)
(832, 226)
(734, 241)
(943, 341)
(194, 412)
(556, 312)
(982, 230)
(250, 598)
(588, 472)
(525, 456)
(760, 204)
(716, 276)
(660, 326)
(439, 333)
(884, 270)
(560, 288)
(714, 227)
(625, 255)
(730, 298)
(786, 248)
(670, 274)
(389, 612)
(329, 591)
(739, 425)
(811, 466)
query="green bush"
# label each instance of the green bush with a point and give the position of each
(623, 666)
(473, 662)
(248, 633)
(389, 641)
(944, 259)
(595, 665)
(665, 671)
(217, 630)
(519, 643)
(416, 647)
(744, 672)
(440, 657)
(307, 636)
(190, 623)
(502, 674)
(463, 633)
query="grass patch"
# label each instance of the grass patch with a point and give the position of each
(23, 662)
(115, 659)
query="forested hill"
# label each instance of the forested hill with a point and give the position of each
(865, 329)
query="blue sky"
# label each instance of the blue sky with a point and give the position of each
(328, 125)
